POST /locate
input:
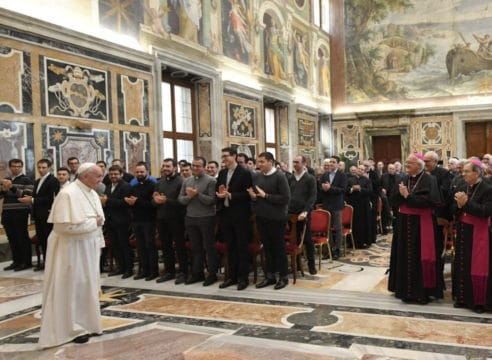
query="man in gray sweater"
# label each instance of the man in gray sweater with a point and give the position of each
(271, 194)
(198, 195)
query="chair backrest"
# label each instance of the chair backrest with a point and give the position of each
(347, 216)
(320, 221)
(291, 235)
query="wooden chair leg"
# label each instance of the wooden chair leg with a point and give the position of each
(293, 261)
(353, 242)
(329, 252)
(320, 254)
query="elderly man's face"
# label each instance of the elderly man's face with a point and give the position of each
(412, 165)
(430, 163)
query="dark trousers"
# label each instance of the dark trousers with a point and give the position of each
(201, 232)
(385, 215)
(308, 240)
(15, 225)
(147, 251)
(272, 234)
(171, 233)
(235, 231)
(120, 246)
(43, 229)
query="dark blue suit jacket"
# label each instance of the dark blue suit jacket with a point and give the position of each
(333, 199)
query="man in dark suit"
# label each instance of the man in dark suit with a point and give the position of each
(45, 189)
(333, 184)
(117, 222)
(234, 209)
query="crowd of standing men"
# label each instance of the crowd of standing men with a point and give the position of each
(192, 205)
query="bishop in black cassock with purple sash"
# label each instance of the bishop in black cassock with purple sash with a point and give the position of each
(472, 270)
(415, 274)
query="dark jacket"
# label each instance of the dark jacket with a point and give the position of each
(143, 210)
(116, 209)
(275, 206)
(332, 199)
(302, 193)
(170, 186)
(21, 185)
(240, 181)
(44, 196)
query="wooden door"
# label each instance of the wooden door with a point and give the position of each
(478, 138)
(386, 148)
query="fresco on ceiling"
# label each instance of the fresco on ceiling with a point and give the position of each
(236, 29)
(413, 49)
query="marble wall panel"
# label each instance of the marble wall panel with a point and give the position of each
(133, 101)
(134, 147)
(204, 112)
(348, 141)
(88, 145)
(74, 91)
(16, 142)
(433, 133)
(15, 81)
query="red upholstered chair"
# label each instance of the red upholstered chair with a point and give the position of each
(347, 217)
(294, 246)
(321, 228)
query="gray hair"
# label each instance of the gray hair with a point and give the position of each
(85, 168)
(432, 154)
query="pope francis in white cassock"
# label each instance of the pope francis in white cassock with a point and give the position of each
(70, 309)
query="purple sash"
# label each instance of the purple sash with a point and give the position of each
(427, 244)
(480, 256)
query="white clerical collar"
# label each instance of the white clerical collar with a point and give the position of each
(271, 172)
(299, 176)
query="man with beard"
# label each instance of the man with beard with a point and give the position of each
(358, 194)
(143, 222)
(472, 275)
(271, 194)
(418, 262)
(303, 195)
(170, 222)
(117, 215)
(198, 195)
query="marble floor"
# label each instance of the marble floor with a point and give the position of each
(343, 312)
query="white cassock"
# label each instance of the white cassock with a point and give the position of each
(71, 280)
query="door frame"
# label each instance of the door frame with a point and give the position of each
(402, 131)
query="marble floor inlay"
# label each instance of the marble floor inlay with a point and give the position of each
(414, 329)
(212, 309)
(342, 312)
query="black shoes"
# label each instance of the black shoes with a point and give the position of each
(39, 268)
(312, 270)
(227, 283)
(21, 267)
(211, 279)
(10, 267)
(127, 275)
(151, 277)
(139, 276)
(281, 283)
(180, 279)
(165, 277)
(193, 279)
(242, 285)
(266, 282)
(82, 339)
(115, 273)
(479, 309)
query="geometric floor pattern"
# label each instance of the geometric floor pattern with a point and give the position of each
(343, 312)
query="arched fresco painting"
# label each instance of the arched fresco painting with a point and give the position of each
(236, 29)
(275, 63)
